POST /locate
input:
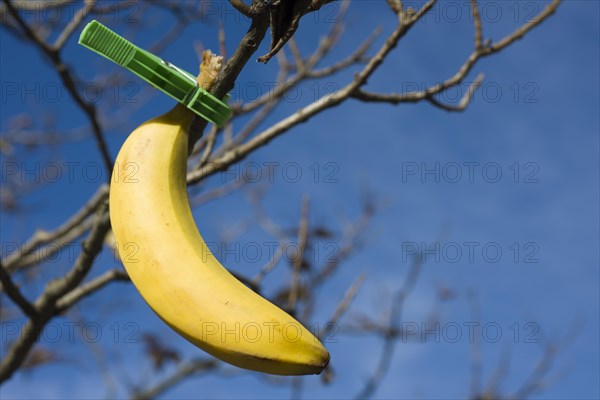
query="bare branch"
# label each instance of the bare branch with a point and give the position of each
(479, 53)
(15, 294)
(217, 193)
(331, 39)
(535, 381)
(69, 83)
(33, 6)
(54, 246)
(183, 371)
(476, 358)
(29, 33)
(74, 296)
(499, 374)
(111, 7)
(344, 304)
(165, 41)
(391, 332)
(222, 41)
(263, 113)
(20, 258)
(208, 146)
(305, 68)
(79, 16)
(256, 120)
(46, 303)
(298, 59)
(348, 246)
(299, 259)
(464, 101)
(396, 6)
(358, 56)
(304, 114)
(519, 33)
(264, 220)
(247, 47)
(242, 7)
(268, 267)
(477, 24)
(90, 248)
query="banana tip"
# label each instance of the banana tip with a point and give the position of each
(325, 364)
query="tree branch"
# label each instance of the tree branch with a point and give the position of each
(479, 53)
(299, 259)
(183, 371)
(15, 294)
(21, 257)
(242, 7)
(228, 75)
(477, 24)
(46, 303)
(395, 317)
(75, 295)
(304, 114)
(79, 16)
(343, 305)
(69, 83)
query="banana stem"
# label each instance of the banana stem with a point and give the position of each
(209, 69)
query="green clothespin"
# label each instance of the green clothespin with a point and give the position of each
(177, 83)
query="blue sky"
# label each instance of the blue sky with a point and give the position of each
(536, 114)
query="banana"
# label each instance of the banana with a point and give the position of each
(176, 273)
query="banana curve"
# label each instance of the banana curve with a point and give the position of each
(177, 274)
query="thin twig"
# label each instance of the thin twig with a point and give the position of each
(477, 24)
(208, 147)
(524, 29)
(269, 266)
(229, 73)
(298, 59)
(307, 69)
(343, 306)
(46, 302)
(476, 357)
(395, 317)
(299, 259)
(222, 41)
(69, 83)
(218, 192)
(478, 54)
(183, 371)
(79, 16)
(41, 238)
(74, 296)
(264, 112)
(500, 373)
(535, 381)
(305, 113)
(396, 6)
(265, 221)
(349, 246)
(358, 56)
(464, 101)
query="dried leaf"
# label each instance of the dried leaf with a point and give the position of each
(284, 19)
